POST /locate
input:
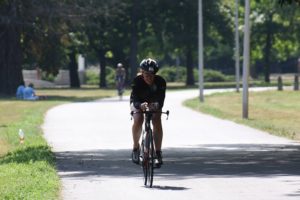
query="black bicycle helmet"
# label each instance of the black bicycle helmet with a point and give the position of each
(149, 65)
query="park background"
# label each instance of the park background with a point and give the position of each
(50, 36)
(40, 40)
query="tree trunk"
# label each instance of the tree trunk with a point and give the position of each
(102, 60)
(10, 55)
(73, 67)
(189, 67)
(267, 50)
(133, 40)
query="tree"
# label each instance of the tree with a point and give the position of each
(10, 51)
(134, 38)
(73, 67)
(101, 32)
(175, 24)
(272, 45)
(282, 2)
(32, 29)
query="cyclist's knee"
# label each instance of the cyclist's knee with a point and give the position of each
(138, 119)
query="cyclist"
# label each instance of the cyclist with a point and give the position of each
(120, 79)
(148, 91)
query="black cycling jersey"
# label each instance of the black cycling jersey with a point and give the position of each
(142, 92)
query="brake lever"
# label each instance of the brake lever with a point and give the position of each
(167, 114)
(131, 114)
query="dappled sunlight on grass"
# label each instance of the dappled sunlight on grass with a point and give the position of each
(29, 154)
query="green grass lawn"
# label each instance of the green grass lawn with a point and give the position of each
(27, 171)
(277, 112)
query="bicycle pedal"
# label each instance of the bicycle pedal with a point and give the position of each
(141, 159)
(156, 164)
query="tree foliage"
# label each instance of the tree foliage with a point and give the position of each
(50, 34)
(282, 2)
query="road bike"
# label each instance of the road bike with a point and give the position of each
(120, 87)
(147, 152)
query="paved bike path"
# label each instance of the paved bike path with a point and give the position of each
(205, 157)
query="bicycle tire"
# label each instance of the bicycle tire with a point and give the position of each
(144, 161)
(151, 159)
(148, 158)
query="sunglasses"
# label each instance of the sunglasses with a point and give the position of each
(147, 74)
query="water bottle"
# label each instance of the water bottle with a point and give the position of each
(21, 136)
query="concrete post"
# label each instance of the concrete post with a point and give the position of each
(237, 47)
(200, 51)
(279, 81)
(246, 57)
(296, 82)
(298, 66)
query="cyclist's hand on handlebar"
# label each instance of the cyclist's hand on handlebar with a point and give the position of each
(144, 106)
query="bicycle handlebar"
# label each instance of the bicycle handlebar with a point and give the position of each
(150, 112)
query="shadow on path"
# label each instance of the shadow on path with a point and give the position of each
(174, 188)
(180, 163)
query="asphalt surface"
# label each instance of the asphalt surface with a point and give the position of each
(204, 157)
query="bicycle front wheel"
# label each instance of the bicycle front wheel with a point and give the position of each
(145, 161)
(148, 159)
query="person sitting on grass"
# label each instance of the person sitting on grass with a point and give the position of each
(20, 91)
(29, 93)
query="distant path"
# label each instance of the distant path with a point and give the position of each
(205, 158)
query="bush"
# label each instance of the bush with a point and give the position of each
(173, 74)
(170, 74)
(214, 76)
(48, 77)
(92, 76)
(110, 76)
